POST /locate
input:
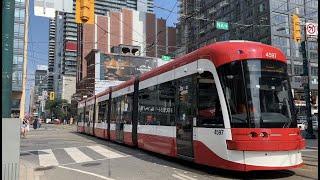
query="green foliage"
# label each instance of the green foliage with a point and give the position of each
(58, 108)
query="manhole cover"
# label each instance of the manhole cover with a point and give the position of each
(44, 168)
(90, 164)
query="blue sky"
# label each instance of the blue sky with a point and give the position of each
(39, 37)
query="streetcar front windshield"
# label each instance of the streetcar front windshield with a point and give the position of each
(258, 94)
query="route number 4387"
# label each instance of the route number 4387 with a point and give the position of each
(218, 131)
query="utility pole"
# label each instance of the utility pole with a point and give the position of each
(7, 55)
(306, 83)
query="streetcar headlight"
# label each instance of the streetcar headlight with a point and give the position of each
(263, 134)
(253, 134)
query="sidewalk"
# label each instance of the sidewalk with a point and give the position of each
(27, 172)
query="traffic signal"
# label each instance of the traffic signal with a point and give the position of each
(84, 11)
(51, 97)
(296, 28)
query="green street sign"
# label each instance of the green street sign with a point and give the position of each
(222, 25)
(166, 58)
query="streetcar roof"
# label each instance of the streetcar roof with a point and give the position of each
(219, 53)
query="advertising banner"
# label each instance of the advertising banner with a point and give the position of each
(122, 68)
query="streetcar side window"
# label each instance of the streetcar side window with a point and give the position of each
(118, 109)
(147, 106)
(113, 111)
(105, 116)
(126, 110)
(209, 107)
(86, 118)
(166, 104)
(80, 114)
(91, 111)
(101, 111)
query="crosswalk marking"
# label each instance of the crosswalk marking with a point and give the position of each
(105, 152)
(47, 158)
(77, 155)
(86, 172)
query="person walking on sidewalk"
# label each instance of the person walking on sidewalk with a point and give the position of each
(35, 123)
(24, 127)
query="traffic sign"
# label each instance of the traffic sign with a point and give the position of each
(222, 25)
(166, 58)
(312, 29)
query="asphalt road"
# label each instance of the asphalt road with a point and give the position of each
(57, 152)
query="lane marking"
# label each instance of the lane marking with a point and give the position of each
(178, 177)
(105, 152)
(88, 161)
(185, 176)
(47, 159)
(77, 155)
(86, 172)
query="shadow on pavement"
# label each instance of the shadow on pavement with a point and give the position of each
(186, 165)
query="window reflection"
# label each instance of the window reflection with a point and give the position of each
(209, 108)
(258, 94)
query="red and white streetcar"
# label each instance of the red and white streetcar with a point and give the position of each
(227, 105)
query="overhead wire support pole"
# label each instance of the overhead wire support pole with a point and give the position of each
(306, 86)
(8, 8)
(306, 83)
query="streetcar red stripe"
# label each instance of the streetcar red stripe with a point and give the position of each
(160, 144)
(99, 132)
(127, 138)
(277, 139)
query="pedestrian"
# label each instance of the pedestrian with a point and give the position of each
(28, 125)
(39, 123)
(35, 123)
(24, 127)
(71, 120)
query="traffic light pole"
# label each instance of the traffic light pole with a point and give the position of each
(310, 134)
(7, 55)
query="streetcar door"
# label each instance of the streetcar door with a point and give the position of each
(119, 131)
(184, 116)
(119, 119)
